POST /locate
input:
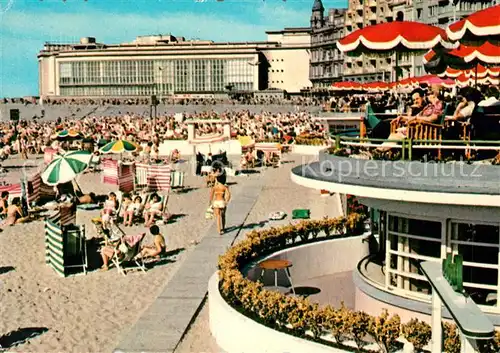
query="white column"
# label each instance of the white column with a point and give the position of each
(437, 332)
(467, 345)
(191, 132)
(227, 130)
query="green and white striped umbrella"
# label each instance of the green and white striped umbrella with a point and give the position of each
(66, 167)
(119, 146)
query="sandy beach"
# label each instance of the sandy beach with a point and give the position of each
(89, 313)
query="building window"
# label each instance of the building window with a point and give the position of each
(479, 246)
(409, 242)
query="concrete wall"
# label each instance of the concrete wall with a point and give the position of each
(315, 260)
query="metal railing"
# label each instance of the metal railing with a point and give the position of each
(408, 145)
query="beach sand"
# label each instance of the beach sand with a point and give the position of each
(89, 313)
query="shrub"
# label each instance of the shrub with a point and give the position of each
(385, 330)
(451, 338)
(490, 346)
(359, 324)
(417, 332)
(298, 315)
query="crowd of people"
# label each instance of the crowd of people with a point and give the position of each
(247, 99)
(32, 137)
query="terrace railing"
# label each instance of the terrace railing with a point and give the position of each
(408, 146)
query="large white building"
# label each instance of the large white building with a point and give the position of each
(166, 65)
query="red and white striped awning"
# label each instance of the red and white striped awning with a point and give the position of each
(213, 138)
(482, 24)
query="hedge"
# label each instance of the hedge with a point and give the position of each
(300, 317)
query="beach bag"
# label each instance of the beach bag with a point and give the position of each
(209, 213)
(123, 248)
(277, 216)
(301, 214)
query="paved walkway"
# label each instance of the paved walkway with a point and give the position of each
(161, 327)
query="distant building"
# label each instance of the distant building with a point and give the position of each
(167, 65)
(328, 65)
(326, 62)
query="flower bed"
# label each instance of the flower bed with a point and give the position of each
(339, 327)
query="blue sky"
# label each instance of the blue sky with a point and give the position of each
(26, 24)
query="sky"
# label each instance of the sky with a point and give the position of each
(25, 25)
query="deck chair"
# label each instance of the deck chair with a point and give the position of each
(114, 231)
(165, 215)
(114, 219)
(424, 130)
(125, 255)
(371, 120)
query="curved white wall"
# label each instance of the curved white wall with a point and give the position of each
(236, 333)
(317, 259)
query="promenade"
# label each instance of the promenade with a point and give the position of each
(163, 324)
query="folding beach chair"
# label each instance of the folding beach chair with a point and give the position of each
(126, 253)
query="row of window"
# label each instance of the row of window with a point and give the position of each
(411, 241)
(159, 76)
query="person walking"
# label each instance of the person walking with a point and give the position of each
(219, 198)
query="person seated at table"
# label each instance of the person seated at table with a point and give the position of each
(430, 114)
(152, 209)
(468, 100)
(158, 247)
(413, 110)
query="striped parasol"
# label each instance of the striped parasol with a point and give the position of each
(209, 138)
(68, 134)
(65, 168)
(119, 146)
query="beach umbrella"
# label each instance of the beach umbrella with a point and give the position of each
(119, 146)
(464, 57)
(67, 134)
(65, 168)
(436, 80)
(393, 37)
(376, 86)
(480, 27)
(346, 86)
(464, 80)
(451, 73)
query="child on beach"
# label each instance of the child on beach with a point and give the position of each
(131, 210)
(109, 209)
(127, 200)
(153, 208)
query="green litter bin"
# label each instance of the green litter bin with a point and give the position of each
(301, 214)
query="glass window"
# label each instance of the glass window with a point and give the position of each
(411, 242)
(479, 246)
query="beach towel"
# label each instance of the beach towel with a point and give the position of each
(132, 240)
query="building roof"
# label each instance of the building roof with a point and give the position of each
(318, 6)
(291, 30)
